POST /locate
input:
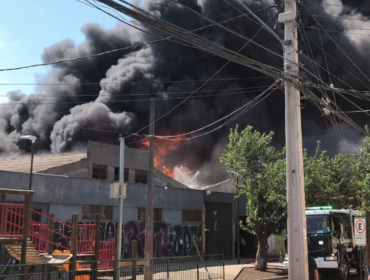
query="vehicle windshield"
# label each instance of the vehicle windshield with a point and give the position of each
(318, 224)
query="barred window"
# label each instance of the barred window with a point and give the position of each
(89, 212)
(191, 215)
(99, 171)
(157, 214)
(141, 176)
(125, 174)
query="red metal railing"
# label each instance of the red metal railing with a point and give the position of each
(40, 233)
(107, 251)
(11, 220)
(86, 239)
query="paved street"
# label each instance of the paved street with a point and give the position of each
(353, 276)
(232, 269)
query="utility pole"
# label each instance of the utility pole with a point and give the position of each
(148, 254)
(33, 140)
(122, 195)
(237, 222)
(237, 219)
(297, 236)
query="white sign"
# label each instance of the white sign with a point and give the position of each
(360, 232)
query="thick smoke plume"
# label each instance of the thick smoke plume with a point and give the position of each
(90, 95)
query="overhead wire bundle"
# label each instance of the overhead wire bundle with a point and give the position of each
(309, 81)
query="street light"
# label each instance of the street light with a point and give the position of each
(33, 140)
(238, 218)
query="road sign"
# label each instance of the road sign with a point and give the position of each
(360, 232)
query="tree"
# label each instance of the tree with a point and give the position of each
(363, 168)
(331, 181)
(261, 170)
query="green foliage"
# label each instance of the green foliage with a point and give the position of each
(261, 170)
(363, 167)
(338, 181)
(331, 181)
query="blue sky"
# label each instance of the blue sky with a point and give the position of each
(28, 26)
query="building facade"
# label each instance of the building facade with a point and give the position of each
(66, 184)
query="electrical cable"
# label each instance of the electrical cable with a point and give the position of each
(342, 51)
(136, 100)
(110, 51)
(244, 110)
(225, 117)
(341, 6)
(152, 93)
(205, 83)
(114, 83)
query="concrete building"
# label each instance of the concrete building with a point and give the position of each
(65, 184)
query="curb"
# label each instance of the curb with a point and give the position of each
(236, 276)
(275, 278)
(271, 278)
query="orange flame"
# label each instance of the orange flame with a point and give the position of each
(161, 150)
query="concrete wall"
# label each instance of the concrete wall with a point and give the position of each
(105, 154)
(64, 212)
(78, 191)
(172, 216)
(63, 196)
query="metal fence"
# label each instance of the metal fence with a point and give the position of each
(174, 268)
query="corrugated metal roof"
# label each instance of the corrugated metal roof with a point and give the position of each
(21, 163)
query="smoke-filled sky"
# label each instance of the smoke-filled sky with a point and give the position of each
(89, 93)
(40, 23)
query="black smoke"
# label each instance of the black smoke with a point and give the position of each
(92, 94)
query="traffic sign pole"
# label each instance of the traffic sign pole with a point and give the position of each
(360, 239)
(367, 248)
(360, 231)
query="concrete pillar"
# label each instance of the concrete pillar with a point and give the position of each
(131, 176)
(110, 173)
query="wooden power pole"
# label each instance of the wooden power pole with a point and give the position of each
(148, 254)
(297, 236)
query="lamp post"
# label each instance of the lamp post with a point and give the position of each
(238, 218)
(33, 140)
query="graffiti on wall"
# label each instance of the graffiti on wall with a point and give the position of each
(168, 240)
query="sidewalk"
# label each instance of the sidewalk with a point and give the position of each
(232, 269)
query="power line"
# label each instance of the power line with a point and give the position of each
(110, 51)
(238, 112)
(137, 100)
(209, 79)
(256, 19)
(208, 46)
(337, 62)
(239, 35)
(337, 45)
(243, 108)
(163, 93)
(197, 41)
(338, 31)
(341, 6)
(114, 83)
(331, 17)
(355, 111)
